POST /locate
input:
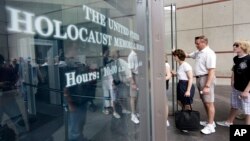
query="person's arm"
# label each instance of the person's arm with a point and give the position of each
(132, 80)
(210, 65)
(247, 89)
(190, 55)
(211, 74)
(168, 73)
(40, 75)
(190, 81)
(68, 99)
(131, 77)
(173, 73)
(245, 93)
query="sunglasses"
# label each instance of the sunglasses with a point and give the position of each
(236, 45)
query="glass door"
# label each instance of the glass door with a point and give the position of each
(79, 67)
(169, 45)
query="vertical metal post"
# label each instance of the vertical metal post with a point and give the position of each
(30, 93)
(143, 105)
(66, 119)
(172, 46)
(157, 70)
(175, 33)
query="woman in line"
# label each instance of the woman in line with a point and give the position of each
(185, 87)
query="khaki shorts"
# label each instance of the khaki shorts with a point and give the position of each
(201, 82)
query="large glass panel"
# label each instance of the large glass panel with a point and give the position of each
(170, 45)
(74, 70)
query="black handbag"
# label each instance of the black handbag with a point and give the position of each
(6, 133)
(187, 120)
(116, 82)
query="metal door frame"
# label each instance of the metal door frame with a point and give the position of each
(157, 70)
(173, 46)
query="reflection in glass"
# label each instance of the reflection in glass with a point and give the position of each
(77, 69)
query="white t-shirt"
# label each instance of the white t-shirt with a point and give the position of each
(124, 73)
(167, 66)
(133, 62)
(204, 60)
(182, 71)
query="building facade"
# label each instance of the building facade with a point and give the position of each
(222, 21)
(82, 70)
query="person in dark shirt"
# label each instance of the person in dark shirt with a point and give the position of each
(240, 81)
(76, 99)
(8, 93)
(15, 67)
(107, 84)
(91, 88)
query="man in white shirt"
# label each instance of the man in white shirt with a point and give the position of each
(133, 66)
(205, 64)
(121, 79)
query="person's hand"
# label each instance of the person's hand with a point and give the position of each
(244, 95)
(1, 84)
(173, 73)
(71, 108)
(206, 90)
(113, 85)
(187, 94)
(5, 84)
(134, 86)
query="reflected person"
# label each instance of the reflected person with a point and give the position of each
(76, 102)
(109, 88)
(121, 80)
(107, 83)
(8, 94)
(133, 64)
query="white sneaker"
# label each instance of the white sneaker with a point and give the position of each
(208, 129)
(116, 115)
(124, 111)
(204, 123)
(224, 123)
(240, 116)
(167, 123)
(105, 111)
(184, 131)
(134, 119)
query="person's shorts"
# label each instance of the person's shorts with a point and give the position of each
(239, 103)
(121, 91)
(201, 82)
